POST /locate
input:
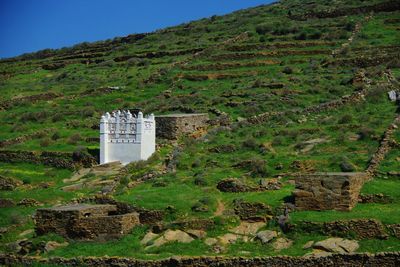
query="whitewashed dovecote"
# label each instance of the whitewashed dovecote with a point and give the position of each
(126, 138)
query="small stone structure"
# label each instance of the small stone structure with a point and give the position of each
(173, 125)
(84, 221)
(126, 138)
(328, 191)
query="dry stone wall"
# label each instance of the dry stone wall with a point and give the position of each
(361, 228)
(386, 259)
(328, 191)
(54, 159)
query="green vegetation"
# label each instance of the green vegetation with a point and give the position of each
(279, 65)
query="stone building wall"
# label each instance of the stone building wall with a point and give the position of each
(84, 221)
(328, 191)
(174, 125)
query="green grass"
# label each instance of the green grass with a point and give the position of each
(278, 141)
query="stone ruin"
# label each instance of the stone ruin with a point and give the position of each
(85, 222)
(328, 191)
(173, 125)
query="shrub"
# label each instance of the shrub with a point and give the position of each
(57, 117)
(45, 142)
(263, 28)
(26, 180)
(346, 165)
(277, 141)
(196, 163)
(345, 119)
(75, 138)
(250, 143)
(56, 136)
(287, 70)
(201, 181)
(365, 133)
(88, 112)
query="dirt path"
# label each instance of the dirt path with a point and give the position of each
(220, 208)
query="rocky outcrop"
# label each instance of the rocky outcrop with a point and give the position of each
(326, 191)
(337, 245)
(386, 259)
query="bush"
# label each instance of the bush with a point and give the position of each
(365, 133)
(75, 138)
(287, 70)
(45, 142)
(345, 119)
(250, 143)
(263, 28)
(26, 180)
(88, 112)
(201, 181)
(57, 117)
(56, 136)
(346, 165)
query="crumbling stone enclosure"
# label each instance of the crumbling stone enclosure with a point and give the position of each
(328, 191)
(87, 222)
(173, 125)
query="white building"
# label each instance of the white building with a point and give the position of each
(125, 137)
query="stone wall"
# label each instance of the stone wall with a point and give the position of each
(328, 191)
(54, 159)
(386, 259)
(361, 228)
(82, 221)
(174, 125)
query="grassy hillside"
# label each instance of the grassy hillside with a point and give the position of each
(296, 86)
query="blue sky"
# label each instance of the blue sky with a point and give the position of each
(31, 25)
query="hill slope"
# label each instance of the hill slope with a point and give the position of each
(292, 87)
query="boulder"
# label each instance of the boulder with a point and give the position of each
(247, 228)
(148, 237)
(210, 241)
(228, 239)
(197, 234)
(53, 245)
(172, 236)
(337, 245)
(266, 236)
(282, 243)
(26, 232)
(308, 245)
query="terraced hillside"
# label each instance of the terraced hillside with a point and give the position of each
(291, 88)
